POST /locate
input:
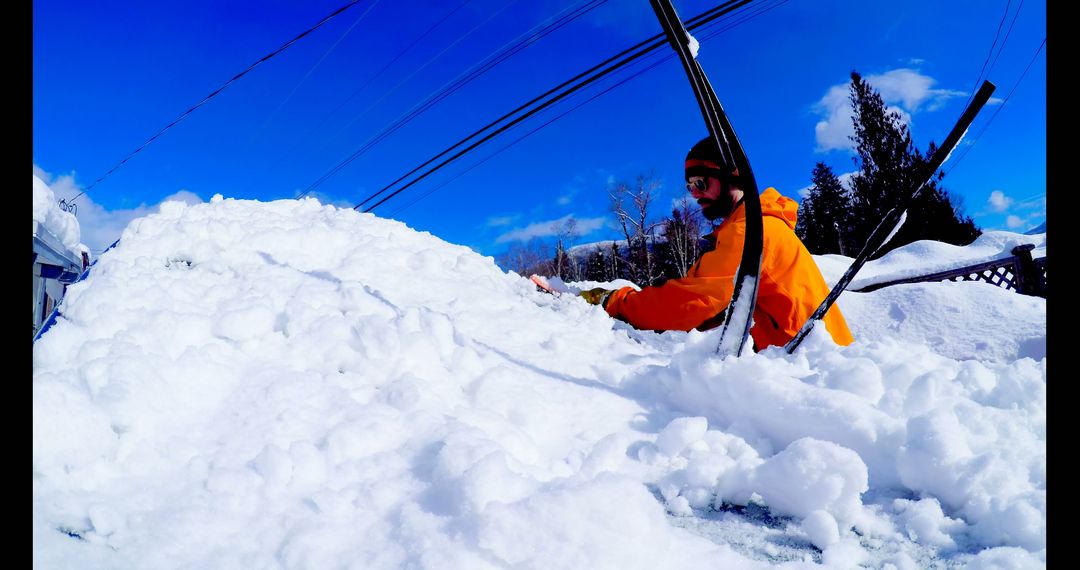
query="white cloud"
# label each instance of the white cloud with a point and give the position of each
(999, 202)
(845, 183)
(549, 228)
(911, 89)
(1033, 203)
(903, 90)
(100, 227)
(497, 221)
(1030, 208)
(1015, 222)
(834, 130)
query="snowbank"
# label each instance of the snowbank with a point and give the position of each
(287, 384)
(926, 257)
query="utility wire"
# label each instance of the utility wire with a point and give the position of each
(996, 111)
(1007, 33)
(979, 79)
(427, 63)
(301, 142)
(530, 133)
(614, 63)
(501, 55)
(219, 90)
(746, 16)
(317, 64)
(579, 105)
(633, 76)
(379, 73)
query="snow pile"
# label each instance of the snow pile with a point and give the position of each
(925, 257)
(287, 384)
(967, 320)
(47, 214)
(963, 321)
(881, 415)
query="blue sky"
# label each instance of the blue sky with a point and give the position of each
(107, 76)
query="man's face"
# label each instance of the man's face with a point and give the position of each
(715, 203)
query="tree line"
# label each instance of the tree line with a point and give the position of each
(834, 217)
(838, 218)
(650, 251)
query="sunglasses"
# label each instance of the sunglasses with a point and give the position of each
(698, 183)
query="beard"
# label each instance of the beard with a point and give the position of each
(722, 207)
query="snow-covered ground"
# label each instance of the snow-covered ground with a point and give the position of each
(290, 385)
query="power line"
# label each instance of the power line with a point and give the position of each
(979, 79)
(317, 64)
(628, 55)
(378, 73)
(219, 90)
(1007, 33)
(996, 111)
(491, 17)
(754, 14)
(530, 133)
(301, 142)
(746, 17)
(499, 56)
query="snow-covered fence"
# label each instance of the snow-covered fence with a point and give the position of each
(1018, 273)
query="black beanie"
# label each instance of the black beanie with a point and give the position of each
(705, 159)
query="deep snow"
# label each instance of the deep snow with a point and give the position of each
(291, 385)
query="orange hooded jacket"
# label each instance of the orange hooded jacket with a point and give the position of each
(789, 290)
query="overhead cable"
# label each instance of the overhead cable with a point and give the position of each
(953, 163)
(499, 56)
(219, 90)
(665, 58)
(518, 139)
(573, 84)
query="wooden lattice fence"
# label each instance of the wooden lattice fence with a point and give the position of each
(1018, 273)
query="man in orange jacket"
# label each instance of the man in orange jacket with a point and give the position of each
(790, 287)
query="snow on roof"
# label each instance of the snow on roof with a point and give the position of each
(59, 229)
(246, 384)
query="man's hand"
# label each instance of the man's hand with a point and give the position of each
(597, 296)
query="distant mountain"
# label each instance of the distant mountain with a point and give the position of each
(1040, 229)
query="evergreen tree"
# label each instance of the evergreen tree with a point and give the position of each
(824, 219)
(595, 265)
(889, 167)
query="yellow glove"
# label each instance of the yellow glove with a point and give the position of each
(597, 296)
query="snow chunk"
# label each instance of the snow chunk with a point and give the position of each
(926, 523)
(561, 528)
(680, 433)
(821, 527)
(846, 553)
(811, 475)
(1008, 558)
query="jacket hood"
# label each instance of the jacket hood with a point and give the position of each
(778, 206)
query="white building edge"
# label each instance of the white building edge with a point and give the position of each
(55, 267)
